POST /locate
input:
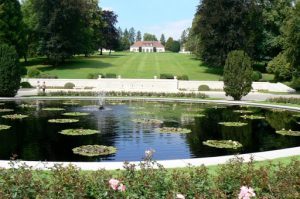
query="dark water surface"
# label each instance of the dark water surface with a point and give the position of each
(33, 138)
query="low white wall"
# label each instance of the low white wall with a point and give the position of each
(152, 85)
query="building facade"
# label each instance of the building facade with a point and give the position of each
(147, 47)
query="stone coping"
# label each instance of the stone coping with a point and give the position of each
(180, 163)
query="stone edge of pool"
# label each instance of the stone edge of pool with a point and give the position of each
(180, 163)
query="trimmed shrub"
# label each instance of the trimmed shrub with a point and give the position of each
(280, 67)
(295, 84)
(203, 88)
(10, 73)
(69, 85)
(237, 74)
(47, 76)
(110, 75)
(95, 75)
(25, 85)
(256, 76)
(33, 72)
(183, 77)
(166, 76)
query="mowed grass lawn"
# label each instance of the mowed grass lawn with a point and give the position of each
(131, 65)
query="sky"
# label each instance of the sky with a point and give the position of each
(170, 17)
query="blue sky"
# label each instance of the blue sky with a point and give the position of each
(170, 17)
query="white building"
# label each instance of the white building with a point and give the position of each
(147, 47)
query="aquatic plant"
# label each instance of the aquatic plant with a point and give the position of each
(173, 130)
(4, 127)
(28, 106)
(243, 111)
(63, 121)
(94, 150)
(193, 115)
(147, 121)
(15, 116)
(2, 104)
(75, 114)
(223, 144)
(253, 117)
(53, 109)
(5, 110)
(78, 132)
(233, 124)
(143, 113)
(288, 132)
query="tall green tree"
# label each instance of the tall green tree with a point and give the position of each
(163, 39)
(126, 40)
(237, 74)
(10, 73)
(184, 37)
(138, 36)
(132, 35)
(226, 25)
(149, 37)
(169, 44)
(193, 43)
(12, 29)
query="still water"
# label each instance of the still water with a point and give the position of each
(33, 138)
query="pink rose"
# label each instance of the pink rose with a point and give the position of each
(114, 183)
(246, 193)
(122, 188)
(180, 196)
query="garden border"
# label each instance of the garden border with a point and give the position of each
(92, 166)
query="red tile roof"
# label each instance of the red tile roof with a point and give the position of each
(156, 44)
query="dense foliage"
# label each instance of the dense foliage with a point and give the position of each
(238, 75)
(10, 73)
(267, 181)
(285, 100)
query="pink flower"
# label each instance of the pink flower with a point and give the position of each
(114, 183)
(246, 193)
(180, 196)
(122, 188)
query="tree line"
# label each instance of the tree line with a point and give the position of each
(266, 30)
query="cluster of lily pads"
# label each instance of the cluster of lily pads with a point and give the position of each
(253, 117)
(78, 132)
(223, 144)
(71, 103)
(28, 106)
(63, 121)
(4, 127)
(233, 124)
(94, 150)
(147, 121)
(6, 110)
(193, 115)
(15, 116)
(75, 114)
(288, 132)
(174, 130)
(53, 109)
(243, 111)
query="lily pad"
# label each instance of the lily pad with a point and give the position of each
(148, 121)
(28, 106)
(6, 110)
(53, 109)
(173, 130)
(4, 127)
(75, 114)
(243, 111)
(223, 144)
(253, 117)
(233, 124)
(143, 113)
(2, 104)
(288, 132)
(78, 132)
(63, 121)
(94, 150)
(15, 116)
(71, 103)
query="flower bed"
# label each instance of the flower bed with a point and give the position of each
(288, 132)
(173, 130)
(63, 121)
(94, 150)
(75, 114)
(78, 132)
(233, 124)
(15, 116)
(4, 127)
(223, 144)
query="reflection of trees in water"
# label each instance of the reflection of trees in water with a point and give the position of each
(279, 120)
(241, 134)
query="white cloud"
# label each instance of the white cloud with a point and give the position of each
(172, 29)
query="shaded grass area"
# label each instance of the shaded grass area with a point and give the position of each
(130, 65)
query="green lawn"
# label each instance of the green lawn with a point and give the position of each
(131, 65)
